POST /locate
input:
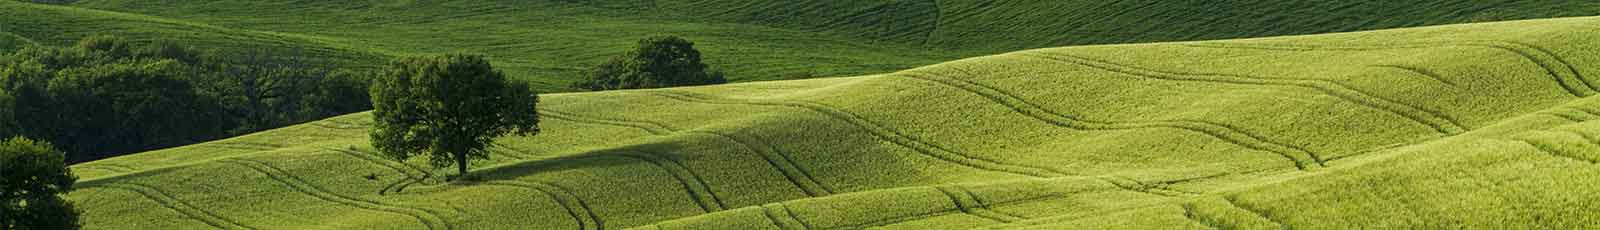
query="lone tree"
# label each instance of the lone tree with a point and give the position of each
(657, 61)
(448, 107)
(33, 176)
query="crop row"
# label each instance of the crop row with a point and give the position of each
(1420, 71)
(428, 218)
(185, 208)
(971, 204)
(413, 173)
(1302, 158)
(697, 187)
(575, 206)
(773, 156)
(1559, 69)
(1438, 121)
(882, 132)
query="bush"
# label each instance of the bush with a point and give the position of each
(35, 177)
(657, 61)
(106, 44)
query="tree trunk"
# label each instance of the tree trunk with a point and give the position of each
(461, 165)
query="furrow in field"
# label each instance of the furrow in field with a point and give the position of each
(985, 206)
(1301, 157)
(1208, 221)
(1420, 71)
(1527, 51)
(414, 174)
(115, 168)
(891, 135)
(778, 160)
(1439, 122)
(1589, 143)
(697, 188)
(653, 129)
(185, 208)
(427, 218)
(774, 157)
(1233, 201)
(967, 203)
(574, 206)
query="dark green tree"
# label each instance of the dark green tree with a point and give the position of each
(118, 108)
(448, 107)
(8, 126)
(657, 61)
(341, 92)
(33, 176)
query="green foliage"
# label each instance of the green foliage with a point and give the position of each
(449, 108)
(106, 97)
(656, 62)
(33, 178)
(112, 46)
(125, 107)
(341, 92)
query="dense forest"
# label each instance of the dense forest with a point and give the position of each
(107, 96)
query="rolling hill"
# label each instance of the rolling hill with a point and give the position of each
(548, 41)
(1483, 125)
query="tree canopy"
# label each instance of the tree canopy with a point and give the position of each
(657, 61)
(33, 176)
(448, 107)
(105, 96)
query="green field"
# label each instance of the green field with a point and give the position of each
(1482, 125)
(547, 42)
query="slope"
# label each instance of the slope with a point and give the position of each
(1476, 125)
(549, 41)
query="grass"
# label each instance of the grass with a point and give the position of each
(1483, 125)
(548, 42)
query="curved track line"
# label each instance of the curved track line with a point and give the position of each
(800, 178)
(1554, 152)
(1439, 122)
(1554, 72)
(185, 208)
(974, 207)
(397, 185)
(108, 167)
(774, 156)
(893, 136)
(708, 203)
(1301, 157)
(808, 185)
(427, 218)
(652, 128)
(586, 219)
(1419, 71)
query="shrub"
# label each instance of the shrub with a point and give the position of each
(106, 44)
(657, 61)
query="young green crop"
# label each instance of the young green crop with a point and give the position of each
(1463, 126)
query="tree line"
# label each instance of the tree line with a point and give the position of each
(106, 96)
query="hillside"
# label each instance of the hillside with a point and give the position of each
(1480, 125)
(549, 41)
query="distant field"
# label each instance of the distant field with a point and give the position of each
(1484, 125)
(548, 41)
